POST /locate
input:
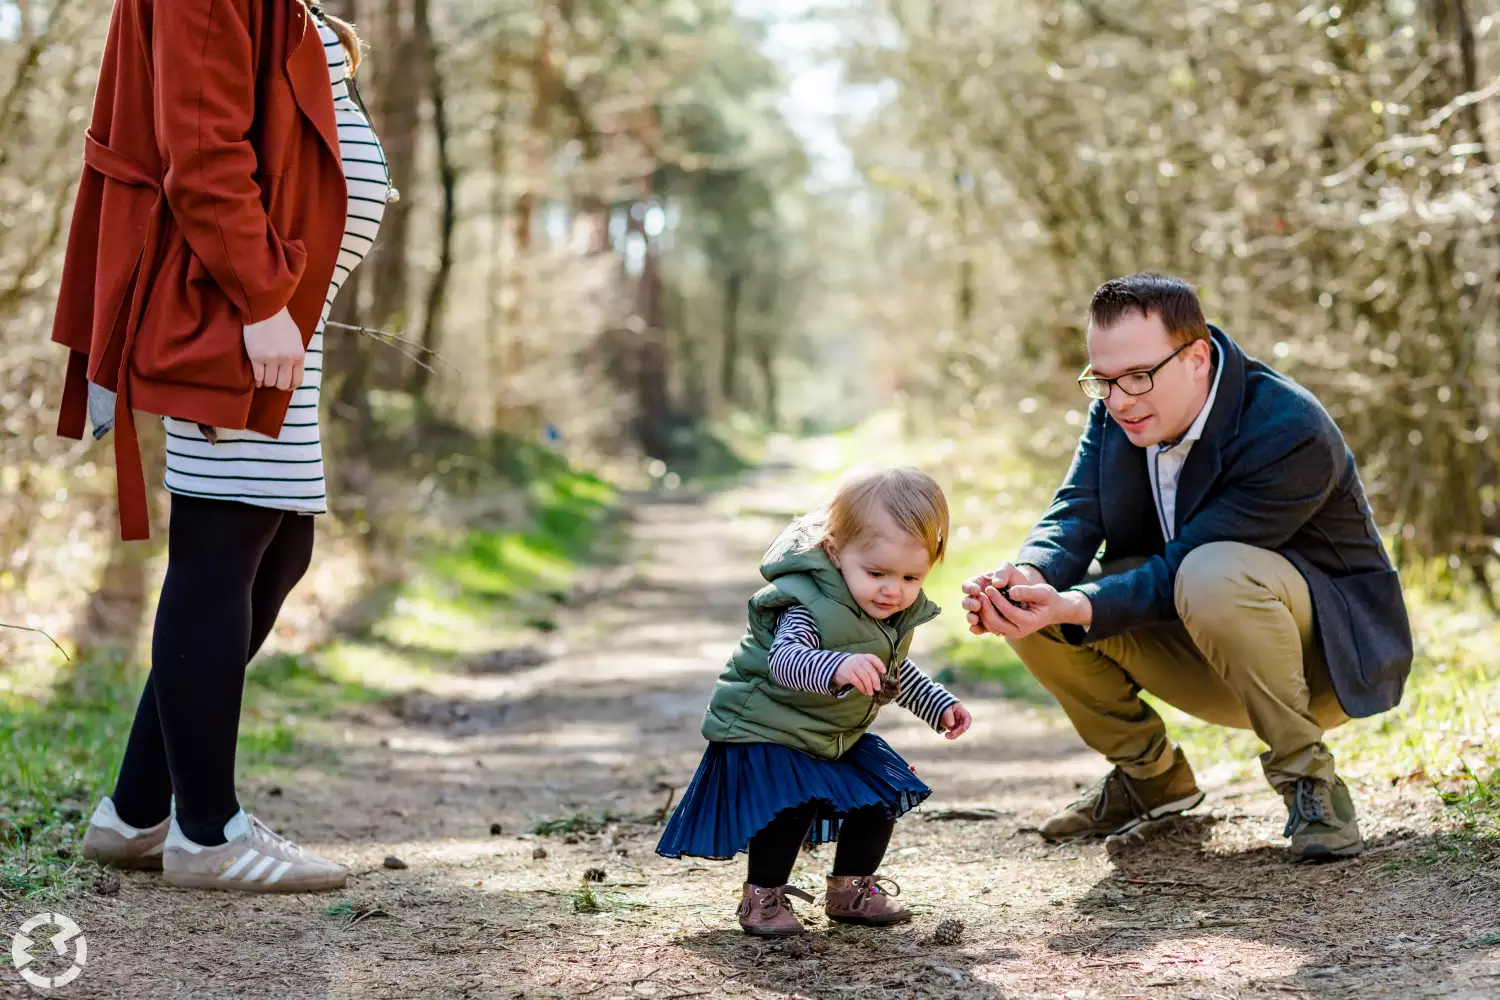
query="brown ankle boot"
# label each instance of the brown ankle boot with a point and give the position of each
(768, 913)
(856, 899)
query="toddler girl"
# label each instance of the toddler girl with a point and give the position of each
(789, 759)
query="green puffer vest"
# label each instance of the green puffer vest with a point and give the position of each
(747, 706)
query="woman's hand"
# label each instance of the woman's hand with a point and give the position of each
(276, 352)
(863, 670)
(956, 720)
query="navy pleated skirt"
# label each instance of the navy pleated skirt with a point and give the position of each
(740, 787)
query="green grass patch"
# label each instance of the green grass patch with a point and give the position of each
(489, 582)
(712, 457)
(990, 659)
(59, 755)
(308, 682)
(577, 823)
(342, 909)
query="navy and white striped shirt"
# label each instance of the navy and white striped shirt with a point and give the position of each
(799, 662)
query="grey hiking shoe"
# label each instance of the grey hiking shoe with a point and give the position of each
(1120, 803)
(114, 843)
(1320, 819)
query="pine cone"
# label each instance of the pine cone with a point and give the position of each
(948, 932)
(594, 875)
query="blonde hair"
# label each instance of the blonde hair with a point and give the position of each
(347, 35)
(908, 496)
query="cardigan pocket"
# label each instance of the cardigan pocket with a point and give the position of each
(190, 333)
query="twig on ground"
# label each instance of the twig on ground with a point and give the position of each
(365, 914)
(1203, 887)
(661, 816)
(976, 815)
(1094, 948)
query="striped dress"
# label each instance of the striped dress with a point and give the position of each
(286, 472)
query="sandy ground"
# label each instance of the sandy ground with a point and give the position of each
(1209, 908)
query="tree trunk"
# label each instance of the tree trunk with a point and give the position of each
(437, 292)
(650, 353)
(734, 284)
(765, 357)
(543, 98)
(399, 91)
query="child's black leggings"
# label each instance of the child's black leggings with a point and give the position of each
(863, 838)
(229, 567)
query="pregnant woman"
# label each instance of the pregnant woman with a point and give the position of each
(230, 185)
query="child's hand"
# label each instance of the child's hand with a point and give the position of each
(863, 670)
(956, 720)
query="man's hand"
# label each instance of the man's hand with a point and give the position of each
(863, 670)
(1007, 575)
(276, 352)
(956, 720)
(1029, 608)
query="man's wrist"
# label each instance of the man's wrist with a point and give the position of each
(1080, 610)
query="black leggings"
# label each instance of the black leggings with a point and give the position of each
(229, 567)
(863, 838)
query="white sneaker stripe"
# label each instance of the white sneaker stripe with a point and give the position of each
(281, 870)
(240, 864)
(260, 868)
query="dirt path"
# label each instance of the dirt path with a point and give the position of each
(1210, 909)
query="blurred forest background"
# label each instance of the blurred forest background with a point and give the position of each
(633, 233)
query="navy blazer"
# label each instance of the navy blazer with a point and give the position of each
(1271, 470)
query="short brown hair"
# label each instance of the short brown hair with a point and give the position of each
(1147, 292)
(912, 498)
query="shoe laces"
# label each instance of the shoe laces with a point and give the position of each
(772, 900)
(1307, 806)
(869, 887)
(265, 835)
(1117, 777)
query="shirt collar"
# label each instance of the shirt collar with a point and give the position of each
(1196, 430)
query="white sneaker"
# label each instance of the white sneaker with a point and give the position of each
(115, 843)
(254, 859)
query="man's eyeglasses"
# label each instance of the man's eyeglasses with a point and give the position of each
(1131, 383)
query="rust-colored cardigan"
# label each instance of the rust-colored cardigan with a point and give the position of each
(212, 196)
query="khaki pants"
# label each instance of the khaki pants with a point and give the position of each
(1244, 654)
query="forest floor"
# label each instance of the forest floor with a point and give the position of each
(499, 777)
